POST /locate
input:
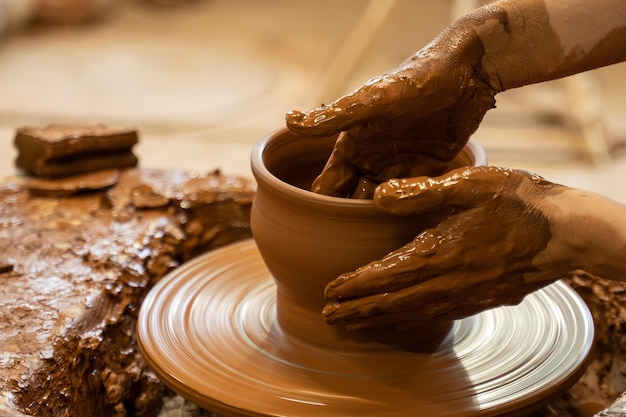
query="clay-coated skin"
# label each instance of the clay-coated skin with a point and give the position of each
(413, 120)
(512, 233)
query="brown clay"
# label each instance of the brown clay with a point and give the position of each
(308, 239)
(77, 257)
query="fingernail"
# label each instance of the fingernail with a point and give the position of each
(295, 116)
(329, 312)
(331, 294)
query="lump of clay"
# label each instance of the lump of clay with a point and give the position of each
(66, 186)
(65, 150)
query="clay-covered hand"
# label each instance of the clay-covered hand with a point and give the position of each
(409, 122)
(496, 248)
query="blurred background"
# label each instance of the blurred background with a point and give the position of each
(204, 80)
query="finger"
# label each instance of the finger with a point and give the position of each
(401, 268)
(331, 118)
(442, 310)
(443, 298)
(462, 187)
(320, 121)
(339, 177)
(421, 302)
(364, 189)
(337, 180)
(377, 98)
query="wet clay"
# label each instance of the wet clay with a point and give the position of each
(308, 239)
(604, 379)
(67, 186)
(65, 150)
(77, 256)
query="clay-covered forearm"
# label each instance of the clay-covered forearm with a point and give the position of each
(531, 41)
(591, 229)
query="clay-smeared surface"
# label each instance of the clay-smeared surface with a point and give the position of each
(605, 377)
(74, 270)
(210, 331)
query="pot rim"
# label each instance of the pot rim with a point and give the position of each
(264, 176)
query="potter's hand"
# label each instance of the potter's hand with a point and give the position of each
(414, 119)
(498, 247)
(411, 121)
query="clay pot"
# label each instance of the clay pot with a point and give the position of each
(307, 239)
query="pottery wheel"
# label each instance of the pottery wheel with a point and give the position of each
(209, 332)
